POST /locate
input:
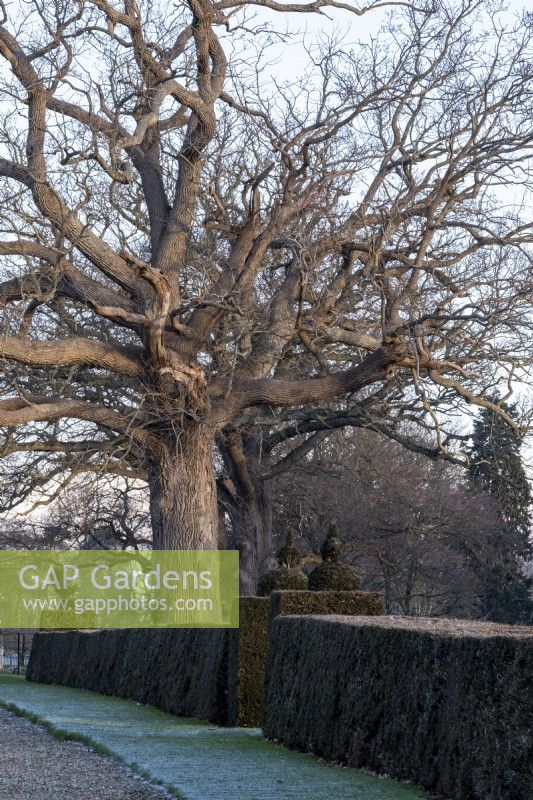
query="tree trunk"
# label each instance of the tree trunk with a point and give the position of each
(251, 527)
(183, 500)
(409, 585)
(387, 584)
(247, 501)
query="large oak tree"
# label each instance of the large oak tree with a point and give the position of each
(193, 247)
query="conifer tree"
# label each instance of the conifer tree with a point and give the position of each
(497, 468)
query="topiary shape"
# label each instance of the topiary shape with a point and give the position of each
(332, 574)
(332, 545)
(287, 574)
(281, 578)
(289, 556)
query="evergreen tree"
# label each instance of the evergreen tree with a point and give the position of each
(497, 468)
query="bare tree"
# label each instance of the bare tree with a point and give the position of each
(412, 526)
(191, 248)
(90, 513)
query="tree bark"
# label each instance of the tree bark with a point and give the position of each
(251, 528)
(247, 501)
(183, 500)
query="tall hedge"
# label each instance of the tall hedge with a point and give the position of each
(444, 703)
(180, 671)
(217, 675)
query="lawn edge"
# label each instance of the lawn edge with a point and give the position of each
(63, 735)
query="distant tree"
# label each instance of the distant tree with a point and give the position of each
(409, 522)
(87, 515)
(497, 468)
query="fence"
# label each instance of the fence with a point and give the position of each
(15, 649)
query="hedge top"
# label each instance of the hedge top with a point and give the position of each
(436, 626)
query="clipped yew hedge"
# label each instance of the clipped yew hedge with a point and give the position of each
(328, 602)
(180, 671)
(443, 703)
(204, 673)
(213, 674)
(246, 668)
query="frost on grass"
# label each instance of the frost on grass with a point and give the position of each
(200, 761)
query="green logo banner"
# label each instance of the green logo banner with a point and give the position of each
(119, 589)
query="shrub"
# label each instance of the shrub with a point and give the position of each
(281, 578)
(334, 575)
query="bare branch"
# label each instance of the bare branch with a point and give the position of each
(79, 351)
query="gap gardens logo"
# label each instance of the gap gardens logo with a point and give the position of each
(118, 589)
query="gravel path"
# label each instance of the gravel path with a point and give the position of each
(35, 765)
